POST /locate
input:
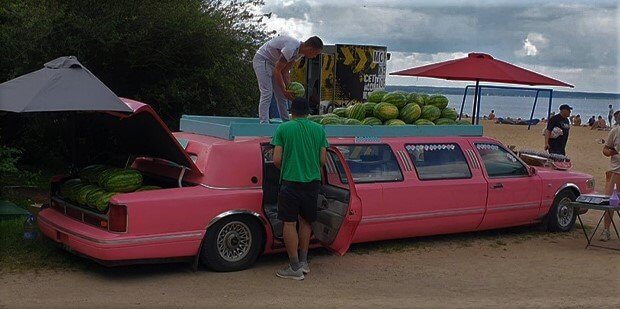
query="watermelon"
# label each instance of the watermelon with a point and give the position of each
(67, 186)
(396, 98)
(376, 96)
(357, 111)
(102, 202)
(372, 121)
(437, 100)
(449, 113)
(423, 122)
(386, 111)
(394, 122)
(412, 97)
(331, 120)
(93, 196)
(296, 89)
(330, 115)
(126, 180)
(443, 121)
(74, 191)
(463, 122)
(82, 193)
(410, 113)
(88, 173)
(340, 112)
(430, 112)
(315, 118)
(104, 174)
(148, 188)
(420, 99)
(370, 108)
(352, 122)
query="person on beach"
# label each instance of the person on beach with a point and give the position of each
(591, 121)
(492, 115)
(612, 176)
(610, 115)
(300, 150)
(272, 63)
(556, 134)
(577, 121)
(599, 124)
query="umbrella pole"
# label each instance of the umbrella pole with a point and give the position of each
(473, 116)
(533, 108)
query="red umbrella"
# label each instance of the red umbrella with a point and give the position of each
(481, 67)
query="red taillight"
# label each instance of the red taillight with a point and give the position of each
(117, 218)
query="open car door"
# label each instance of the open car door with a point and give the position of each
(339, 207)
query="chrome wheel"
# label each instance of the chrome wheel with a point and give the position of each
(565, 212)
(234, 241)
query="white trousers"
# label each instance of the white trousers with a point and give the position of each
(264, 75)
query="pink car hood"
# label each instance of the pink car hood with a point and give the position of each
(143, 133)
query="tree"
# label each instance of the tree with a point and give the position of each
(179, 56)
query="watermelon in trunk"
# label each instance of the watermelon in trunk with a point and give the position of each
(376, 96)
(372, 121)
(331, 120)
(148, 188)
(386, 111)
(93, 196)
(88, 174)
(126, 180)
(430, 112)
(102, 202)
(67, 186)
(410, 113)
(80, 195)
(396, 98)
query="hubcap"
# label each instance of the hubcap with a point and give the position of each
(565, 212)
(234, 241)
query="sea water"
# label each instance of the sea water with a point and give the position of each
(521, 107)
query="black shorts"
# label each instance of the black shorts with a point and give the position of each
(298, 199)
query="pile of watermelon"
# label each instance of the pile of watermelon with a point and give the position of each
(98, 183)
(394, 109)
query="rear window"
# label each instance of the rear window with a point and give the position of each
(438, 161)
(370, 163)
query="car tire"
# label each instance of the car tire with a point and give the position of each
(231, 244)
(561, 217)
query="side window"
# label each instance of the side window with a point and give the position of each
(438, 161)
(370, 163)
(499, 162)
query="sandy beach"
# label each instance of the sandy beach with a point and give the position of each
(582, 148)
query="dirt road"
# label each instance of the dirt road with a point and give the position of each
(508, 268)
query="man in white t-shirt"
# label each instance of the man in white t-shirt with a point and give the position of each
(612, 145)
(272, 64)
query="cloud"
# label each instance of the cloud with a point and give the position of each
(556, 35)
(531, 44)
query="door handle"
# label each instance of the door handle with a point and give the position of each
(497, 186)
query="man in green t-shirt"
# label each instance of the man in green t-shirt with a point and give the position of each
(299, 153)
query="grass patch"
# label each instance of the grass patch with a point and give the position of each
(17, 254)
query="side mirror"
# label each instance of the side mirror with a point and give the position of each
(531, 171)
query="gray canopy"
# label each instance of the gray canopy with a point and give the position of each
(63, 84)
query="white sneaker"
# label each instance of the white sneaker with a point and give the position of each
(305, 268)
(605, 235)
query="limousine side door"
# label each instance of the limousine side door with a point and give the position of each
(340, 209)
(514, 194)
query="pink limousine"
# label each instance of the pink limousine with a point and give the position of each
(218, 206)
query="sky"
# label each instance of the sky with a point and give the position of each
(573, 41)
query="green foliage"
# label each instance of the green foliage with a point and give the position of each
(179, 56)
